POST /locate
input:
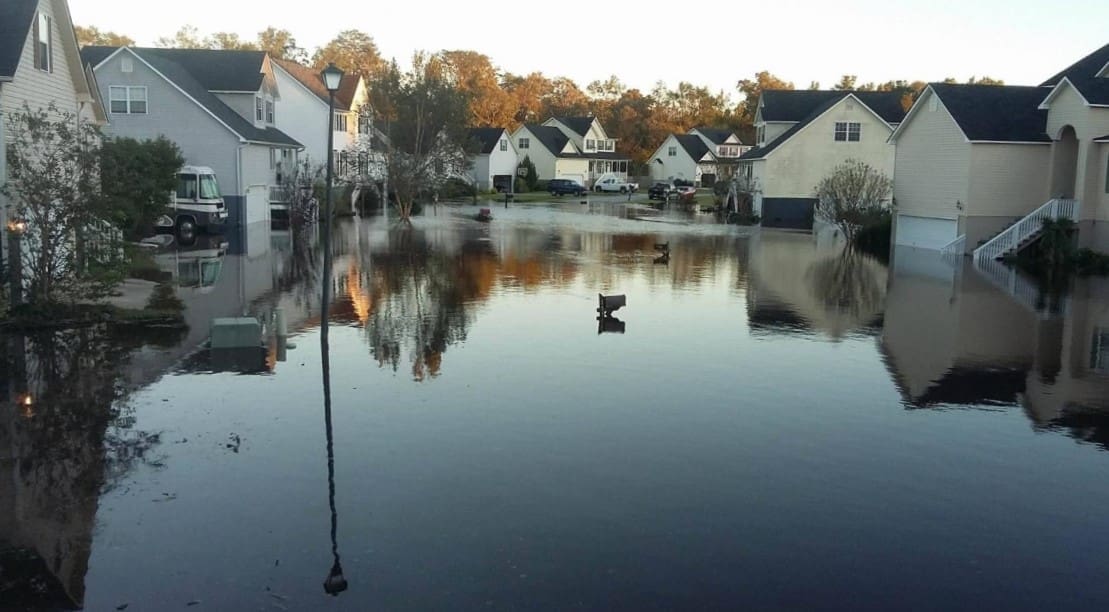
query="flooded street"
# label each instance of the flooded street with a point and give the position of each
(768, 424)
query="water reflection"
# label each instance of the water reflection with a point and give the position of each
(953, 337)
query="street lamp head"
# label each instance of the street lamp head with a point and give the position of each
(17, 226)
(332, 76)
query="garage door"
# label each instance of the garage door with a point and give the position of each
(925, 232)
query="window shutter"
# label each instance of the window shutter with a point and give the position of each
(35, 37)
(49, 45)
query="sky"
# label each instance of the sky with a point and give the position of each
(710, 42)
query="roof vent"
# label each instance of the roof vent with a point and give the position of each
(127, 65)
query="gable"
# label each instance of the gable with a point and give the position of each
(845, 103)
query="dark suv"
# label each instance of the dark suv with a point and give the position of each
(558, 187)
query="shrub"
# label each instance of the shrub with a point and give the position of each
(874, 236)
(456, 189)
(542, 185)
(164, 298)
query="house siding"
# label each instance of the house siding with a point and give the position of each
(243, 104)
(1007, 181)
(302, 115)
(202, 140)
(796, 166)
(680, 166)
(776, 129)
(1068, 108)
(543, 159)
(932, 168)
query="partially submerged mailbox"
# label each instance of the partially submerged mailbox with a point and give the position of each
(610, 304)
(244, 332)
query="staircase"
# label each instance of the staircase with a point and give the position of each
(1026, 230)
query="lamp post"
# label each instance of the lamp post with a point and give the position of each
(335, 583)
(16, 228)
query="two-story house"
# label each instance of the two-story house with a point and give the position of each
(594, 145)
(703, 156)
(304, 104)
(494, 160)
(40, 64)
(972, 159)
(803, 135)
(220, 107)
(554, 154)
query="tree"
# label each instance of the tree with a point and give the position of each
(529, 174)
(423, 119)
(188, 37)
(852, 196)
(229, 41)
(753, 88)
(52, 182)
(353, 51)
(527, 94)
(984, 80)
(846, 83)
(280, 44)
(137, 178)
(474, 75)
(92, 36)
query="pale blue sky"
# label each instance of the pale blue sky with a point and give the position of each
(707, 42)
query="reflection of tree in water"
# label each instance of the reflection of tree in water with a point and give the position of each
(847, 286)
(422, 299)
(66, 430)
(300, 274)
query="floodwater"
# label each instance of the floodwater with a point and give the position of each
(768, 424)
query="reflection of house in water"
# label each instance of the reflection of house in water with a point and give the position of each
(951, 337)
(798, 285)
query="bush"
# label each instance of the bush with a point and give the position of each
(530, 178)
(164, 298)
(542, 185)
(456, 189)
(874, 236)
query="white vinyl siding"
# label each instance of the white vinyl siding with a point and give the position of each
(933, 165)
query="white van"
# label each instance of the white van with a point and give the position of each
(197, 202)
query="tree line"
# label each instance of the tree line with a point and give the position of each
(639, 119)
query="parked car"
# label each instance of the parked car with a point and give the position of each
(659, 191)
(683, 183)
(614, 184)
(560, 187)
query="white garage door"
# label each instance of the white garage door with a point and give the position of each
(925, 232)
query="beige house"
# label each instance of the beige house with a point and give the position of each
(979, 167)
(40, 64)
(803, 135)
(593, 143)
(552, 152)
(970, 158)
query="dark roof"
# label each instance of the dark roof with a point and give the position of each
(1104, 138)
(185, 80)
(488, 137)
(692, 145)
(796, 105)
(344, 98)
(1083, 74)
(217, 69)
(579, 125)
(15, 24)
(787, 105)
(550, 137)
(716, 135)
(996, 112)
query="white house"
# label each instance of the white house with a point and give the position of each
(593, 144)
(304, 104)
(803, 135)
(220, 107)
(683, 156)
(726, 146)
(40, 64)
(972, 160)
(495, 161)
(552, 152)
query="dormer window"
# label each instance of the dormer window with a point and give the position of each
(44, 43)
(258, 109)
(504, 144)
(761, 138)
(340, 122)
(269, 111)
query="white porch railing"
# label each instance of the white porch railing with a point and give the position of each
(1013, 237)
(955, 247)
(1025, 291)
(278, 195)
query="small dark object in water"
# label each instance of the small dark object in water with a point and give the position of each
(484, 215)
(663, 247)
(610, 325)
(611, 303)
(663, 260)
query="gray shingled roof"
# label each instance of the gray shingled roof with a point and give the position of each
(1083, 74)
(692, 145)
(15, 25)
(488, 137)
(885, 104)
(188, 83)
(996, 112)
(716, 135)
(344, 97)
(550, 137)
(795, 105)
(580, 125)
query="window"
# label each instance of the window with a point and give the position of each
(258, 116)
(524, 143)
(591, 145)
(672, 152)
(761, 138)
(209, 188)
(364, 124)
(848, 131)
(186, 186)
(44, 43)
(504, 144)
(1099, 354)
(127, 100)
(269, 111)
(340, 122)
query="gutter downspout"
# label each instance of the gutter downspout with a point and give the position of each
(239, 181)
